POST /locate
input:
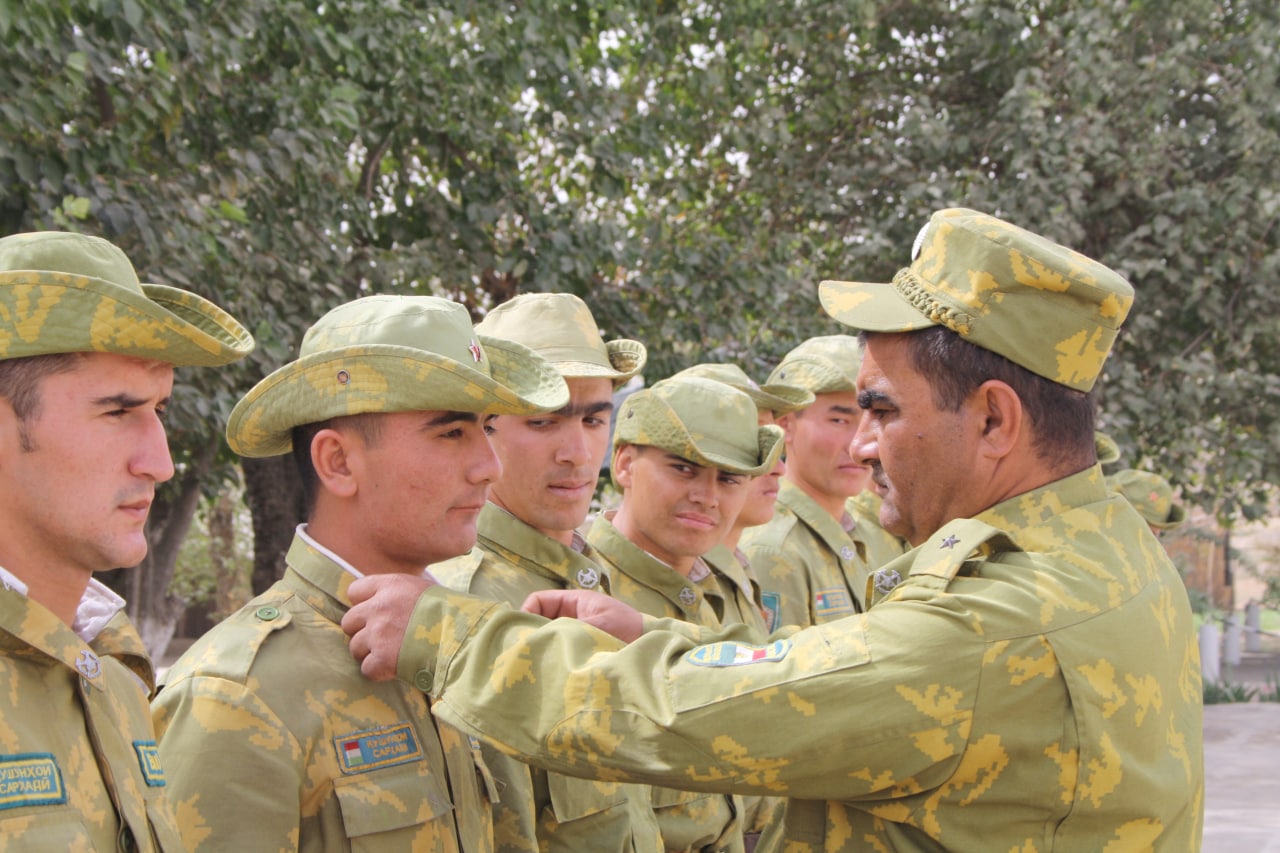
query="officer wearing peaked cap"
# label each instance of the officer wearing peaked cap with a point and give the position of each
(276, 741)
(87, 353)
(1031, 683)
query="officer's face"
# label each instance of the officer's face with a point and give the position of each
(921, 458)
(77, 499)
(550, 463)
(818, 440)
(673, 508)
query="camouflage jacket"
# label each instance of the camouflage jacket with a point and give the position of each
(541, 811)
(276, 742)
(739, 588)
(78, 763)
(1031, 683)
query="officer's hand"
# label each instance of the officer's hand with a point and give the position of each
(378, 619)
(594, 608)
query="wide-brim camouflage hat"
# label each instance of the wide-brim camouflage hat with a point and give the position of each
(1040, 305)
(1108, 452)
(827, 364)
(773, 397)
(559, 327)
(392, 354)
(64, 292)
(701, 420)
(1151, 495)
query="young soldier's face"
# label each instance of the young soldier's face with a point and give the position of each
(762, 491)
(550, 463)
(818, 440)
(76, 500)
(673, 508)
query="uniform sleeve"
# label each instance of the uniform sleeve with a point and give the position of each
(233, 768)
(848, 710)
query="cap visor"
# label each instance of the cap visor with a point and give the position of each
(871, 307)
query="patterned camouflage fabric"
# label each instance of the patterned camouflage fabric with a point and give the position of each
(1106, 448)
(827, 364)
(541, 811)
(1151, 495)
(1039, 304)
(739, 588)
(559, 327)
(1031, 684)
(775, 397)
(64, 292)
(78, 762)
(690, 821)
(392, 354)
(811, 568)
(277, 743)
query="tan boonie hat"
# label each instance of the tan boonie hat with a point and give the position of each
(1038, 304)
(1105, 447)
(64, 292)
(776, 398)
(559, 327)
(822, 365)
(1151, 495)
(392, 354)
(701, 420)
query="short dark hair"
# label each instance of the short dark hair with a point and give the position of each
(368, 426)
(1062, 419)
(20, 385)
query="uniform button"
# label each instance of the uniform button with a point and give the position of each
(266, 614)
(424, 680)
(847, 552)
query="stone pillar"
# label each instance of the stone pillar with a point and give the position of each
(1232, 641)
(1252, 624)
(1210, 652)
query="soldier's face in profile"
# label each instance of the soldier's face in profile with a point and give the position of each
(550, 463)
(762, 492)
(921, 458)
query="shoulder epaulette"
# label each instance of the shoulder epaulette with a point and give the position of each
(937, 560)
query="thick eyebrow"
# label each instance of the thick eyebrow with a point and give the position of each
(577, 410)
(126, 401)
(867, 399)
(443, 418)
(673, 457)
(846, 410)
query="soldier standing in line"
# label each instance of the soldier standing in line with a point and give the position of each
(1032, 682)
(87, 354)
(274, 740)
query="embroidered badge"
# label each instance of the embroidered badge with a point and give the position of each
(847, 552)
(771, 605)
(32, 779)
(88, 664)
(149, 761)
(886, 580)
(359, 752)
(737, 654)
(688, 597)
(588, 578)
(831, 602)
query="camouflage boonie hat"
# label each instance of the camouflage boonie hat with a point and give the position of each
(1151, 495)
(823, 365)
(1105, 447)
(392, 354)
(1038, 304)
(559, 327)
(64, 292)
(776, 397)
(701, 420)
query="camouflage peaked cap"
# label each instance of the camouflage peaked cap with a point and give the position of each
(1105, 447)
(559, 327)
(1151, 495)
(822, 365)
(1040, 305)
(392, 354)
(701, 420)
(776, 398)
(63, 292)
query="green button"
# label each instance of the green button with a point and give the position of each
(424, 680)
(266, 614)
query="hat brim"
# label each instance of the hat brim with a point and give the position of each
(626, 359)
(1177, 515)
(76, 313)
(781, 399)
(870, 307)
(388, 378)
(769, 441)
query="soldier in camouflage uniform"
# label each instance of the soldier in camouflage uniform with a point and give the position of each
(275, 740)
(685, 450)
(86, 369)
(813, 556)
(1151, 495)
(1027, 677)
(528, 541)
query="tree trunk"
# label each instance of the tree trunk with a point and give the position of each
(273, 491)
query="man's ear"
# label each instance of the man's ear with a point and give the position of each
(788, 423)
(335, 457)
(623, 460)
(1002, 415)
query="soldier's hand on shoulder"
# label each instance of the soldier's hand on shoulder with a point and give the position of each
(595, 608)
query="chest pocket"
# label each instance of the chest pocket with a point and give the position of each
(388, 809)
(573, 799)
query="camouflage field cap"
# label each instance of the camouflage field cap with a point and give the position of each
(1105, 447)
(1151, 495)
(64, 292)
(823, 365)
(777, 398)
(392, 354)
(559, 327)
(701, 420)
(1038, 304)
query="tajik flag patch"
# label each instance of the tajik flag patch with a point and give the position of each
(737, 654)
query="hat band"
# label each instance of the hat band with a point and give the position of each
(920, 296)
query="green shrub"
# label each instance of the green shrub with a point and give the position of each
(1222, 692)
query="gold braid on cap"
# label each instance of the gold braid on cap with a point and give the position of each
(921, 297)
